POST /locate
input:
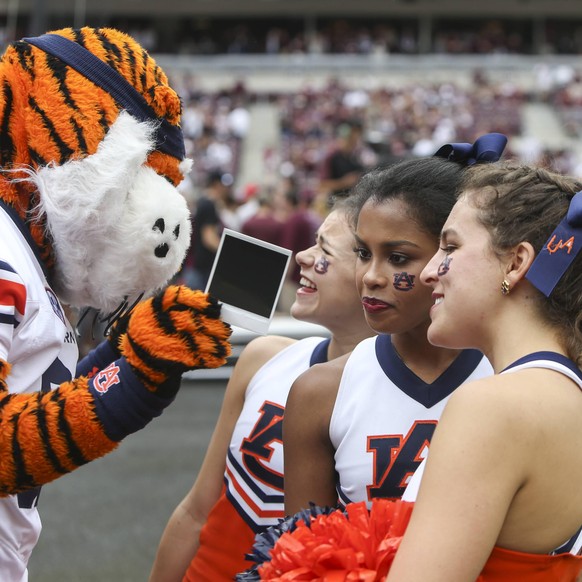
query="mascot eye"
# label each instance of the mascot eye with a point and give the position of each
(177, 232)
(162, 250)
(159, 225)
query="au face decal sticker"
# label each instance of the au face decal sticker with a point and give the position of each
(403, 281)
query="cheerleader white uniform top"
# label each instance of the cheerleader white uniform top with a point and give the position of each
(550, 361)
(252, 498)
(384, 417)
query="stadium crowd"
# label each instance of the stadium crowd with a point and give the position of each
(397, 122)
(394, 123)
(382, 35)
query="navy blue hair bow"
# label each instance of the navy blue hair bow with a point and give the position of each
(487, 148)
(559, 251)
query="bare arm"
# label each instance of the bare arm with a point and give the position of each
(309, 454)
(477, 463)
(344, 183)
(180, 539)
(210, 237)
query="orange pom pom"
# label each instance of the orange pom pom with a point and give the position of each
(357, 545)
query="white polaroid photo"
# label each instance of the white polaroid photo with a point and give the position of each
(247, 278)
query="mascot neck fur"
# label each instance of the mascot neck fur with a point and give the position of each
(117, 227)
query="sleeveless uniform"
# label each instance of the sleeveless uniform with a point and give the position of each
(508, 565)
(252, 498)
(384, 417)
(37, 339)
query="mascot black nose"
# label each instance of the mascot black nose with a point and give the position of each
(162, 250)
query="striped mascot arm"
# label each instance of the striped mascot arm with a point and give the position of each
(177, 330)
(45, 435)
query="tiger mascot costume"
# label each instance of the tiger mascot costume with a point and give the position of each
(90, 216)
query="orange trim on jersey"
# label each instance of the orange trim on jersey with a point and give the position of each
(255, 508)
(13, 294)
(508, 565)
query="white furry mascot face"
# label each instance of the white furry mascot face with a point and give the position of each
(93, 157)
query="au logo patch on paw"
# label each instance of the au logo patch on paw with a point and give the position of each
(106, 378)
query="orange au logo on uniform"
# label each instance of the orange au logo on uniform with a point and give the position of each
(553, 247)
(106, 378)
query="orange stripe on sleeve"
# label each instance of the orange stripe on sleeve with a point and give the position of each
(13, 294)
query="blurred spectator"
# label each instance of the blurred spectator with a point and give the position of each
(264, 224)
(213, 152)
(214, 124)
(343, 166)
(297, 234)
(206, 231)
(228, 205)
(239, 120)
(250, 202)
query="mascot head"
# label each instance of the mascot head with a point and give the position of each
(91, 153)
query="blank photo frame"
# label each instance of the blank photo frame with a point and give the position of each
(247, 278)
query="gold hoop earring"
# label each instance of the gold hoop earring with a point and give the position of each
(505, 288)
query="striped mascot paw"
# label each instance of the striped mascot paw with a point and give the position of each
(176, 330)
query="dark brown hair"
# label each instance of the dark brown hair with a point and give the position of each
(519, 203)
(428, 186)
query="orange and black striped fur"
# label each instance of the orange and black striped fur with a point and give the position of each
(49, 115)
(43, 436)
(179, 328)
